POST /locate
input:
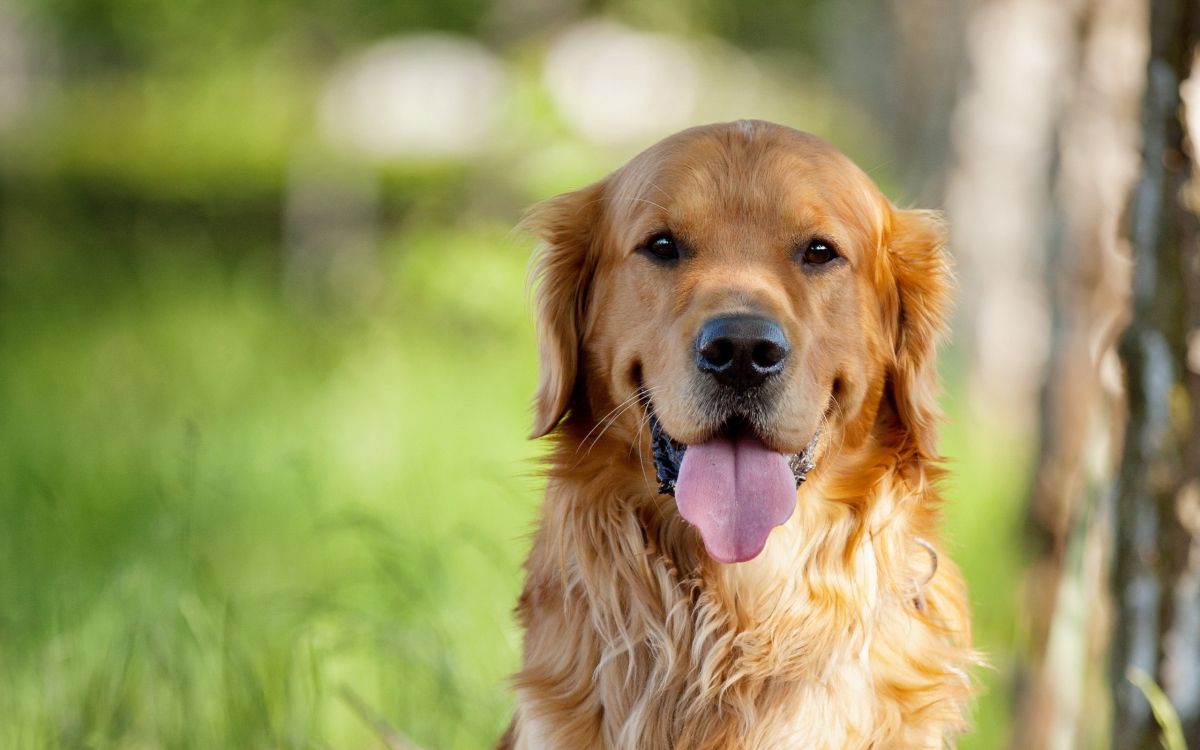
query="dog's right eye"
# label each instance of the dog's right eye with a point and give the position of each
(661, 246)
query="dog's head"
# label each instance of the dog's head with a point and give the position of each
(748, 290)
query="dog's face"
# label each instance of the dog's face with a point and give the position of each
(750, 290)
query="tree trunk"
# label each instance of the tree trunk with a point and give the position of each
(1156, 572)
(1020, 54)
(1081, 406)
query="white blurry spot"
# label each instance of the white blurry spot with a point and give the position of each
(1189, 91)
(613, 84)
(419, 96)
(1193, 350)
(18, 63)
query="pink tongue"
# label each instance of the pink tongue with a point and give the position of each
(735, 492)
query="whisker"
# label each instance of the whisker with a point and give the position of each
(611, 420)
(607, 416)
(614, 198)
(834, 451)
(643, 422)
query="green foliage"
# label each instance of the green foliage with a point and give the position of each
(1164, 712)
(218, 511)
(987, 480)
(190, 35)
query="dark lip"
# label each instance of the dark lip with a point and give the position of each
(668, 452)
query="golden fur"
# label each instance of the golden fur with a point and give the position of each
(847, 631)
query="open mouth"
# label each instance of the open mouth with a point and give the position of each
(731, 487)
(668, 454)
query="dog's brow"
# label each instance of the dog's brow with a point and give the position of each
(652, 203)
(631, 196)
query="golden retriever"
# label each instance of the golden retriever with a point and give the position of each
(737, 547)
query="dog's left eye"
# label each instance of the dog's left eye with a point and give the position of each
(662, 246)
(819, 252)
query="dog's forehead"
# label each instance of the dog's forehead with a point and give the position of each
(759, 175)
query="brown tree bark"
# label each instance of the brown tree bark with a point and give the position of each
(1156, 571)
(1061, 685)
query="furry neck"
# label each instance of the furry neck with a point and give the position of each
(676, 650)
(855, 506)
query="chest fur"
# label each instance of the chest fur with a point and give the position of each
(814, 644)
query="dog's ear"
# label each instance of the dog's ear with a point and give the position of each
(568, 227)
(921, 273)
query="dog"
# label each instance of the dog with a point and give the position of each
(738, 544)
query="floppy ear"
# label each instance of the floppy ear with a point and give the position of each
(924, 285)
(562, 272)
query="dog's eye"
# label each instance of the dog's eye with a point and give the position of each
(819, 252)
(662, 246)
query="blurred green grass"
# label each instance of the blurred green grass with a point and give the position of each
(218, 510)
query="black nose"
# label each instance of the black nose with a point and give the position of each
(741, 351)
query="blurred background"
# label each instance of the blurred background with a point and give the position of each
(266, 352)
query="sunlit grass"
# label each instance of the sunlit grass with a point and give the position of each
(984, 493)
(220, 508)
